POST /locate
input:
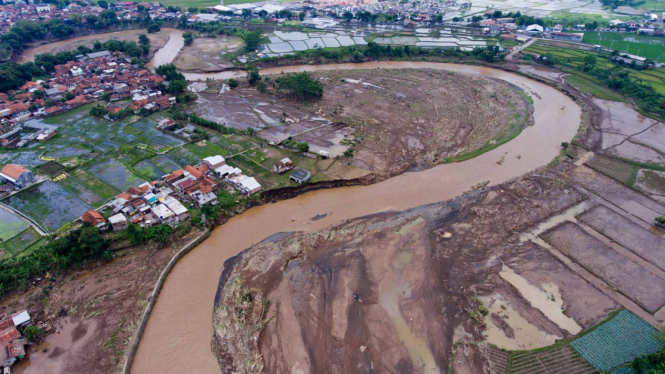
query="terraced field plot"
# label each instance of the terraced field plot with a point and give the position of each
(148, 169)
(10, 225)
(643, 243)
(165, 164)
(554, 360)
(83, 193)
(48, 204)
(618, 342)
(148, 131)
(183, 157)
(20, 242)
(627, 276)
(115, 174)
(91, 183)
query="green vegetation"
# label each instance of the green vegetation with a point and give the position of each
(660, 221)
(595, 72)
(300, 86)
(73, 249)
(651, 47)
(33, 333)
(20, 242)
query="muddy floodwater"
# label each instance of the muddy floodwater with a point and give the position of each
(178, 335)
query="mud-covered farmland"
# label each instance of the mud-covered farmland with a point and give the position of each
(391, 119)
(397, 290)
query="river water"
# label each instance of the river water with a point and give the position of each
(178, 335)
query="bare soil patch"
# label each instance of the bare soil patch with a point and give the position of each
(104, 303)
(393, 121)
(645, 244)
(157, 41)
(208, 55)
(628, 277)
(394, 291)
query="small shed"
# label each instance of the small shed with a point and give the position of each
(300, 176)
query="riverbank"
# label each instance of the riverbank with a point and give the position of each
(157, 42)
(194, 279)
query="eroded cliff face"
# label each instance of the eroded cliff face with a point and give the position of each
(393, 292)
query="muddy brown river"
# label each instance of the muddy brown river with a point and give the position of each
(178, 334)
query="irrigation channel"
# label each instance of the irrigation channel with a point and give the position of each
(178, 335)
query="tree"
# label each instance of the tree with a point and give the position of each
(253, 76)
(348, 16)
(189, 37)
(246, 13)
(348, 153)
(301, 86)
(160, 233)
(177, 86)
(135, 234)
(301, 16)
(261, 87)
(103, 3)
(233, 83)
(33, 333)
(153, 28)
(252, 40)
(39, 94)
(143, 39)
(263, 13)
(497, 14)
(76, 19)
(303, 147)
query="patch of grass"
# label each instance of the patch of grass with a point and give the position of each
(100, 188)
(587, 83)
(21, 241)
(616, 169)
(205, 149)
(651, 47)
(83, 193)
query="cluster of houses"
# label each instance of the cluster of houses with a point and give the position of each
(424, 11)
(163, 201)
(12, 343)
(90, 78)
(12, 11)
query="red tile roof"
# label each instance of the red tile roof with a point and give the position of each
(13, 171)
(93, 217)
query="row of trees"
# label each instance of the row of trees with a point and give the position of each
(74, 249)
(619, 79)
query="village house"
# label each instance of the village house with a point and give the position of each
(12, 344)
(118, 222)
(94, 218)
(282, 166)
(16, 175)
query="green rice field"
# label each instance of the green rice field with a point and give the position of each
(651, 47)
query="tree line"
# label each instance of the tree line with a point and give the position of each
(80, 245)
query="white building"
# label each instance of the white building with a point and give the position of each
(118, 222)
(164, 214)
(214, 162)
(176, 207)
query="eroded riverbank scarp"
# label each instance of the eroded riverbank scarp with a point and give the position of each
(178, 334)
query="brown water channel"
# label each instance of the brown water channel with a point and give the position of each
(178, 335)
